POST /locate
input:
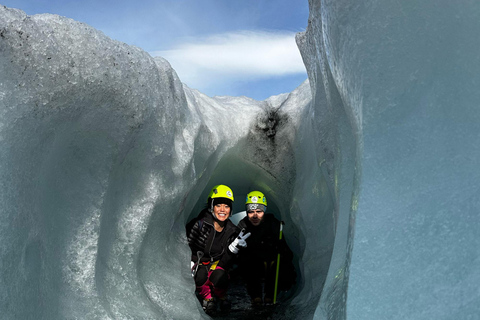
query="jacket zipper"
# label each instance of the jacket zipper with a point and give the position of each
(210, 249)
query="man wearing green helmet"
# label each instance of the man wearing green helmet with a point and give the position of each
(258, 261)
(214, 241)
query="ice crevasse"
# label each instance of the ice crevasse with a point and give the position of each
(105, 155)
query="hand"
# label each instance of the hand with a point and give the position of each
(193, 268)
(239, 242)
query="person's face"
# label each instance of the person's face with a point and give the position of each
(255, 216)
(221, 211)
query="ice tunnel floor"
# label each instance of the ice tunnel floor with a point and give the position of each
(241, 306)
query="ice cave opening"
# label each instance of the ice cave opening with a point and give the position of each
(243, 176)
(244, 170)
(104, 166)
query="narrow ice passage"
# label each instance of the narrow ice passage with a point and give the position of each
(106, 155)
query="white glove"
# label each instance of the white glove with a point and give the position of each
(192, 268)
(239, 242)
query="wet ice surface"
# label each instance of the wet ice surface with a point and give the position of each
(105, 155)
(410, 73)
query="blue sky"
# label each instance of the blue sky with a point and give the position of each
(220, 47)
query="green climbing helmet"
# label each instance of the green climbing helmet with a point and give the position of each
(256, 200)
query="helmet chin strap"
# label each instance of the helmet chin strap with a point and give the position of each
(212, 212)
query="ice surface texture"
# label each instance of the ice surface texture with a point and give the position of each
(105, 155)
(409, 71)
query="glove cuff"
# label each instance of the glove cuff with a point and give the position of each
(233, 248)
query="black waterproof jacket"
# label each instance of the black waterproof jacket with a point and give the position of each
(201, 235)
(264, 243)
(263, 247)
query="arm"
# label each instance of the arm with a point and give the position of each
(197, 235)
(231, 248)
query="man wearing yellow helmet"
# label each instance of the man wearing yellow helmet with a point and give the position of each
(258, 260)
(214, 241)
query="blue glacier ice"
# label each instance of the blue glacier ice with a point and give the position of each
(372, 163)
(409, 72)
(415, 69)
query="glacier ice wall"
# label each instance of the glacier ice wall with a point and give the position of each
(336, 117)
(409, 72)
(85, 125)
(104, 157)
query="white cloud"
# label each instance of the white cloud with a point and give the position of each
(235, 56)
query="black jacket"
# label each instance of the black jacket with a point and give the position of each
(263, 243)
(201, 235)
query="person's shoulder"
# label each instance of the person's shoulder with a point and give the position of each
(231, 228)
(269, 217)
(271, 223)
(231, 225)
(206, 216)
(191, 223)
(243, 223)
(201, 216)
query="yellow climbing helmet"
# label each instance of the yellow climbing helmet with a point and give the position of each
(219, 194)
(256, 200)
(221, 191)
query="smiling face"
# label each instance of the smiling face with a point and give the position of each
(255, 216)
(221, 211)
